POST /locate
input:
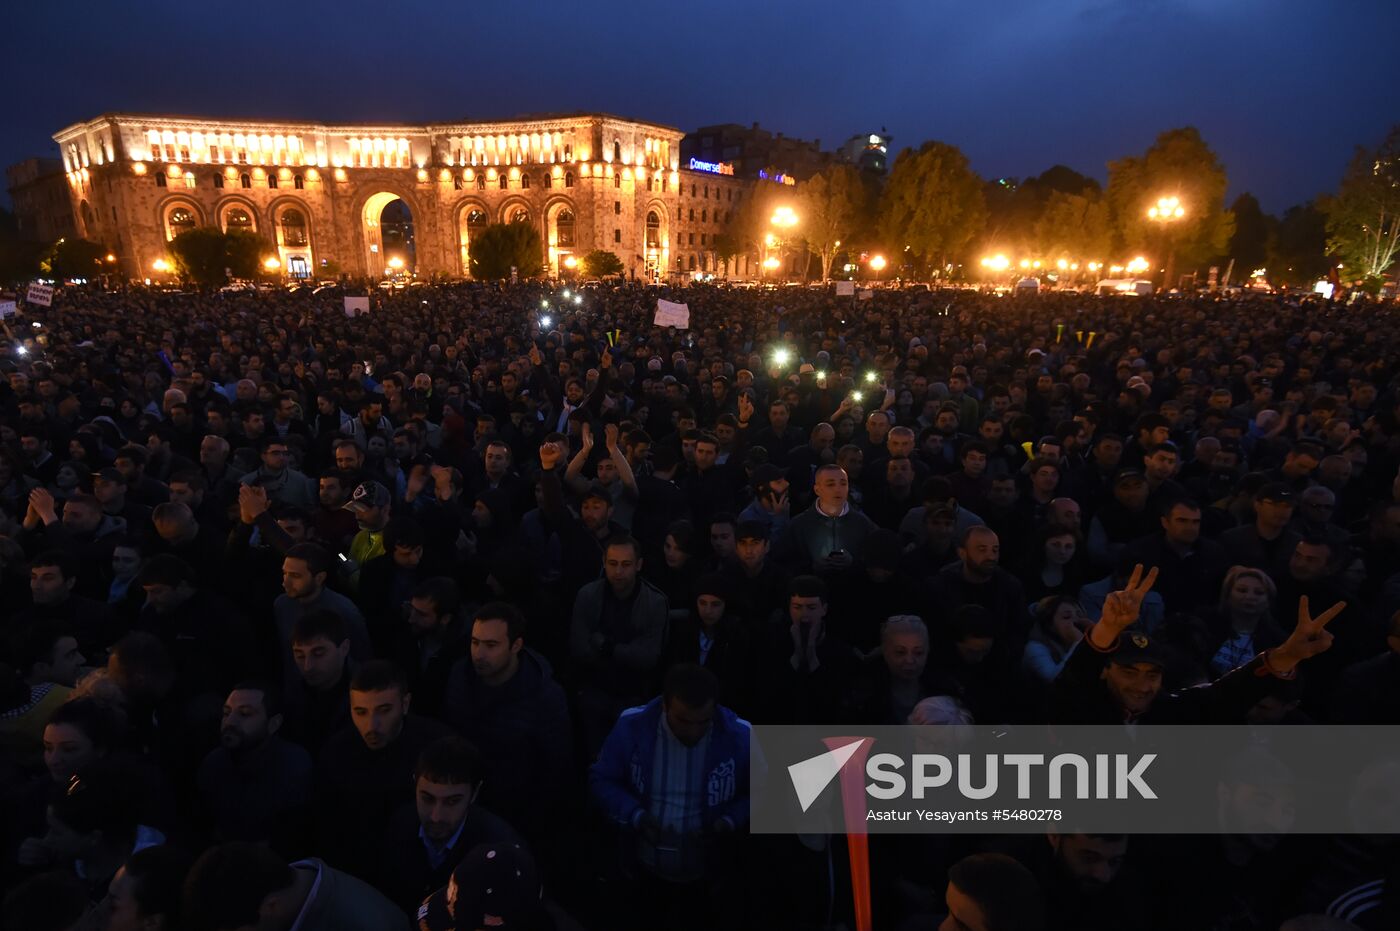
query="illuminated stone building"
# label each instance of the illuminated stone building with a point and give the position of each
(367, 200)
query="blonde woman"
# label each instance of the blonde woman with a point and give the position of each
(1243, 623)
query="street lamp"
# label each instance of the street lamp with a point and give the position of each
(271, 264)
(571, 262)
(161, 265)
(1166, 211)
(877, 262)
(396, 263)
(785, 219)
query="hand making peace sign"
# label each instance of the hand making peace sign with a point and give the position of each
(1121, 608)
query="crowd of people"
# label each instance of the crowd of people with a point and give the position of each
(455, 614)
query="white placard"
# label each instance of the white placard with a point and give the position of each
(672, 314)
(866, 295)
(845, 288)
(40, 294)
(356, 305)
(7, 309)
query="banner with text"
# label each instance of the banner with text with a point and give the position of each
(40, 294)
(845, 288)
(356, 305)
(672, 314)
(1150, 779)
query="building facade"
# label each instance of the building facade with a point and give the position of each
(868, 152)
(39, 191)
(371, 200)
(755, 153)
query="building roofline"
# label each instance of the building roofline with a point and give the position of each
(116, 115)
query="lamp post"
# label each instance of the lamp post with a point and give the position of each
(878, 263)
(1164, 213)
(784, 219)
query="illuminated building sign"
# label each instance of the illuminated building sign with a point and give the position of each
(714, 168)
(778, 178)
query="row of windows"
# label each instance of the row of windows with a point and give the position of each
(292, 223)
(503, 184)
(728, 192)
(245, 180)
(720, 216)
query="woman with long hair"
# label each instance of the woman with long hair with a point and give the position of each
(1242, 624)
(1059, 623)
(1054, 565)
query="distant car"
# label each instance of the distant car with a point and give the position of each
(1028, 284)
(1133, 287)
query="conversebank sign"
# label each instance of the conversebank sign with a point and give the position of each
(714, 168)
(1093, 779)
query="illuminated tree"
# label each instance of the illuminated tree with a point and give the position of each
(1363, 217)
(1075, 227)
(829, 206)
(208, 258)
(73, 258)
(502, 246)
(601, 263)
(933, 206)
(1179, 164)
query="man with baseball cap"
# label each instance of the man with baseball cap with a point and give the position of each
(372, 506)
(495, 886)
(1116, 674)
(1267, 543)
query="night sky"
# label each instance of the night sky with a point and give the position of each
(1281, 89)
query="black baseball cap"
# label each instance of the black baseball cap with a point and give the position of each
(1135, 647)
(1275, 491)
(752, 530)
(495, 886)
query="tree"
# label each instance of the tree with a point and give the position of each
(243, 253)
(727, 248)
(208, 257)
(933, 205)
(502, 246)
(601, 263)
(73, 258)
(1254, 231)
(829, 206)
(1363, 217)
(1298, 253)
(1074, 227)
(1179, 164)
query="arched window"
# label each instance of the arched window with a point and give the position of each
(653, 230)
(504, 185)
(245, 180)
(180, 220)
(237, 218)
(293, 227)
(564, 227)
(548, 180)
(519, 215)
(481, 182)
(272, 181)
(617, 179)
(568, 179)
(525, 182)
(298, 182)
(617, 151)
(691, 263)
(218, 181)
(568, 153)
(160, 179)
(476, 223)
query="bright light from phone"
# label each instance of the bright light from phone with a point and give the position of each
(578, 298)
(857, 395)
(871, 377)
(21, 350)
(566, 294)
(544, 303)
(546, 320)
(781, 357)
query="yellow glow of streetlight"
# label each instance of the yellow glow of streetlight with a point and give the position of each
(770, 240)
(877, 262)
(1025, 263)
(1139, 264)
(1094, 266)
(111, 257)
(770, 262)
(1062, 264)
(1166, 209)
(571, 262)
(997, 263)
(271, 264)
(161, 265)
(1115, 269)
(784, 216)
(396, 263)
(781, 357)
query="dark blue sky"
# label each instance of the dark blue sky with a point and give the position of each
(1281, 89)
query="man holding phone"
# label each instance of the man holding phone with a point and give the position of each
(829, 537)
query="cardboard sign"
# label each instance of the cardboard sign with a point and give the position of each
(671, 314)
(866, 295)
(356, 305)
(845, 288)
(7, 309)
(40, 294)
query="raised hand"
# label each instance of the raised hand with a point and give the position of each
(252, 503)
(1308, 639)
(587, 436)
(536, 358)
(606, 361)
(610, 434)
(745, 408)
(549, 456)
(42, 502)
(1121, 608)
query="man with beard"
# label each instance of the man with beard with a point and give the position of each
(255, 786)
(1085, 884)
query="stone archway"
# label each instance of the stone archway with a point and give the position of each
(390, 242)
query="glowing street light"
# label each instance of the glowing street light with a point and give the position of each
(271, 264)
(161, 265)
(1025, 263)
(571, 262)
(770, 262)
(396, 263)
(784, 217)
(997, 263)
(878, 263)
(1166, 209)
(1138, 266)
(111, 257)
(1062, 265)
